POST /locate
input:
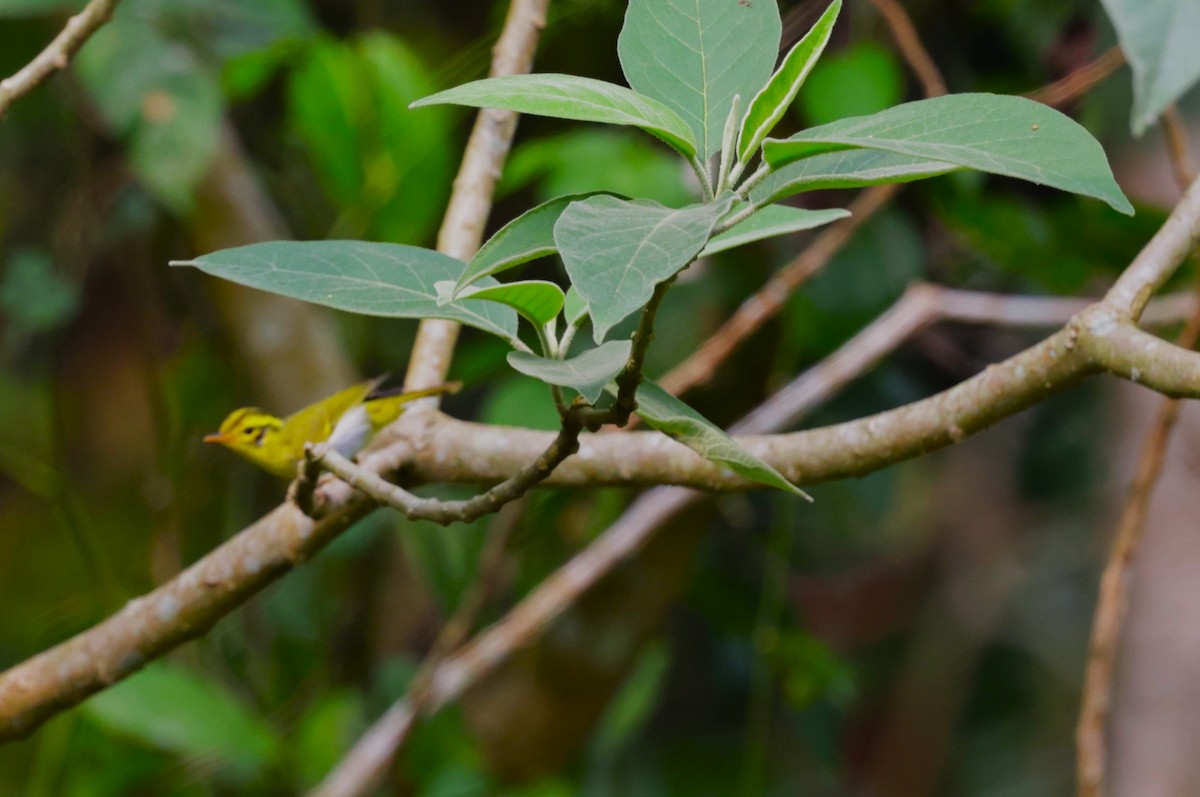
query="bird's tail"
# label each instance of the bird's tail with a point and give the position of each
(398, 392)
(385, 406)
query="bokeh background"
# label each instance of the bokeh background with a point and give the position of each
(919, 631)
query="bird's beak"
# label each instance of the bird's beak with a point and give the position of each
(217, 438)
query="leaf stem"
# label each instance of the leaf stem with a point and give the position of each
(415, 507)
(736, 219)
(568, 336)
(728, 144)
(548, 339)
(701, 171)
(743, 190)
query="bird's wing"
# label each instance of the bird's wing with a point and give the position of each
(316, 422)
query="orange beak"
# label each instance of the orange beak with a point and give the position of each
(217, 438)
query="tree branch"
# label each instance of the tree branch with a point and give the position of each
(1080, 81)
(1158, 259)
(58, 53)
(1091, 735)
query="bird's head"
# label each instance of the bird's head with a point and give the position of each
(254, 434)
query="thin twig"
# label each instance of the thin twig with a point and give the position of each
(1176, 134)
(909, 43)
(1081, 80)
(1159, 259)
(414, 507)
(1091, 736)
(58, 53)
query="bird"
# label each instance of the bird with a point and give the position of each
(346, 420)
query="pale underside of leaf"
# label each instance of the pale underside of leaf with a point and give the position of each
(769, 105)
(586, 373)
(770, 222)
(662, 411)
(1159, 40)
(616, 251)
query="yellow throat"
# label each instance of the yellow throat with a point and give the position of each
(347, 420)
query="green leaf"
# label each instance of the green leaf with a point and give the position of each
(695, 55)
(852, 168)
(21, 8)
(517, 401)
(768, 106)
(1159, 39)
(527, 237)
(857, 80)
(662, 411)
(323, 734)
(590, 159)
(537, 300)
(173, 709)
(631, 708)
(34, 296)
(769, 222)
(385, 168)
(572, 97)
(616, 251)
(586, 373)
(574, 306)
(391, 280)
(154, 94)
(326, 105)
(1012, 136)
(410, 161)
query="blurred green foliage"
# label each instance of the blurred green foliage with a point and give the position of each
(113, 367)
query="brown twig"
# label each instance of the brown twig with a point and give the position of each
(1176, 134)
(414, 507)
(1081, 80)
(1091, 735)
(58, 53)
(911, 48)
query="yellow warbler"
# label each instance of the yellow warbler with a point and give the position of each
(346, 420)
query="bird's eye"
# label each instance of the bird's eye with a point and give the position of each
(248, 430)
